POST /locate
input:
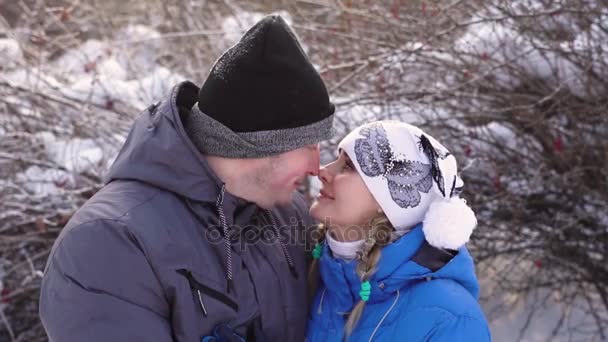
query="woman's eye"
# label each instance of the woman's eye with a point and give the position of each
(346, 167)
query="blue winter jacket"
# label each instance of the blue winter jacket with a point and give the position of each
(408, 302)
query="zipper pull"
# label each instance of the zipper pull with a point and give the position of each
(199, 294)
(200, 301)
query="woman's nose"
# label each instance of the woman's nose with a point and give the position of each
(325, 175)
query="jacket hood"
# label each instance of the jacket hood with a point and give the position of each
(395, 270)
(158, 151)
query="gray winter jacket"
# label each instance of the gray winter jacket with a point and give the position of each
(162, 253)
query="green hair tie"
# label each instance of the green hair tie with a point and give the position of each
(366, 290)
(317, 252)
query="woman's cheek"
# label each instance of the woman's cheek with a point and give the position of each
(344, 203)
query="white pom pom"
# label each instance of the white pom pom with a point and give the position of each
(448, 223)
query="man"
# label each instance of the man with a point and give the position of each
(175, 246)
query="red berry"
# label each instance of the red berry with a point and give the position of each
(4, 295)
(558, 145)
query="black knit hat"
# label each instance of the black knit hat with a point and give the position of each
(262, 97)
(265, 82)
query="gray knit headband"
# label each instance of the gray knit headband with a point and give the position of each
(213, 138)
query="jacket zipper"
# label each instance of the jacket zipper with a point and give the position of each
(320, 308)
(199, 289)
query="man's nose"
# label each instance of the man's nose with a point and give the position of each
(315, 162)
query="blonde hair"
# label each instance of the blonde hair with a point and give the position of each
(380, 234)
(313, 273)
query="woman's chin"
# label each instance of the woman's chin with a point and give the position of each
(317, 211)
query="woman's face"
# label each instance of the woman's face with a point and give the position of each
(344, 203)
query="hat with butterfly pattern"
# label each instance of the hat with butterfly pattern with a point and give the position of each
(414, 179)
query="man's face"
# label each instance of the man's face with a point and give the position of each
(280, 175)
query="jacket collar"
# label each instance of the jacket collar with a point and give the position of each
(396, 269)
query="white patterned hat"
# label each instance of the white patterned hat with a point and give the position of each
(414, 179)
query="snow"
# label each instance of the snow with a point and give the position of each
(10, 52)
(502, 43)
(44, 181)
(138, 92)
(121, 69)
(152, 87)
(235, 26)
(131, 51)
(112, 69)
(75, 155)
(72, 157)
(103, 71)
(100, 72)
(107, 71)
(82, 59)
(99, 90)
(34, 79)
(136, 48)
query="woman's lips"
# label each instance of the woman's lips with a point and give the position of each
(324, 194)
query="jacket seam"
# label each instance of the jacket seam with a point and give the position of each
(99, 219)
(141, 243)
(450, 313)
(127, 228)
(88, 289)
(446, 321)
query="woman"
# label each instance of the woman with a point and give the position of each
(390, 255)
